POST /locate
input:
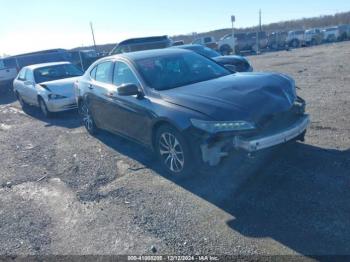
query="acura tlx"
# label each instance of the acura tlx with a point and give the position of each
(189, 109)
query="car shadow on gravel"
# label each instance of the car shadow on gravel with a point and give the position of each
(131, 149)
(297, 195)
(68, 119)
(300, 199)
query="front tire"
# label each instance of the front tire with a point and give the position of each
(43, 108)
(88, 119)
(173, 152)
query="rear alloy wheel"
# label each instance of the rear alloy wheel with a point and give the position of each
(173, 152)
(43, 108)
(88, 120)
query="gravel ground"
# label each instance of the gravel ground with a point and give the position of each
(65, 192)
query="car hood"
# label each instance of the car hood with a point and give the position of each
(63, 87)
(241, 96)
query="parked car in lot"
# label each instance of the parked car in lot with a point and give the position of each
(235, 62)
(252, 41)
(207, 41)
(179, 42)
(10, 66)
(49, 86)
(8, 71)
(344, 32)
(313, 37)
(187, 108)
(296, 39)
(277, 40)
(83, 58)
(331, 34)
(142, 43)
(244, 43)
(225, 44)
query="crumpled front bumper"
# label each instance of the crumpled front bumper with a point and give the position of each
(283, 136)
(60, 105)
(212, 154)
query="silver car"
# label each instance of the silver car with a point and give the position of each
(49, 86)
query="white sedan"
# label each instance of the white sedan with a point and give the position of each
(49, 86)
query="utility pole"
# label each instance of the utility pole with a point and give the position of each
(260, 20)
(233, 20)
(257, 35)
(93, 36)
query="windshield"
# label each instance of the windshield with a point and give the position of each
(206, 51)
(175, 70)
(51, 73)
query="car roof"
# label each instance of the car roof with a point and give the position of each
(142, 40)
(189, 46)
(36, 66)
(151, 53)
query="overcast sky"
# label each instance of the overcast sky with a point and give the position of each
(32, 25)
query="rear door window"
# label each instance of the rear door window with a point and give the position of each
(29, 76)
(93, 73)
(123, 75)
(103, 72)
(22, 74)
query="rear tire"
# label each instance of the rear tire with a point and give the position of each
(173, 152)
(87, 118)
(23, 104)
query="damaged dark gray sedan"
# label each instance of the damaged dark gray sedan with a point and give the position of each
(188, 109)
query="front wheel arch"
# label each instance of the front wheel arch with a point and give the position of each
(155, 129)
(188, 157)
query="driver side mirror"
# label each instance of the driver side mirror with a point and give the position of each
(128, 90)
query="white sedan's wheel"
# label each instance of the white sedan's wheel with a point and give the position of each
(43, 108)
(21, 101)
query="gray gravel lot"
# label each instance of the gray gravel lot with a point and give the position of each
(65, 192)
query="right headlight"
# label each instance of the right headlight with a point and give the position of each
(55, 97)
(222, 126)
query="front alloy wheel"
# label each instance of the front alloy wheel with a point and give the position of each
(88, 119)
(43, 108)
(172, 151)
